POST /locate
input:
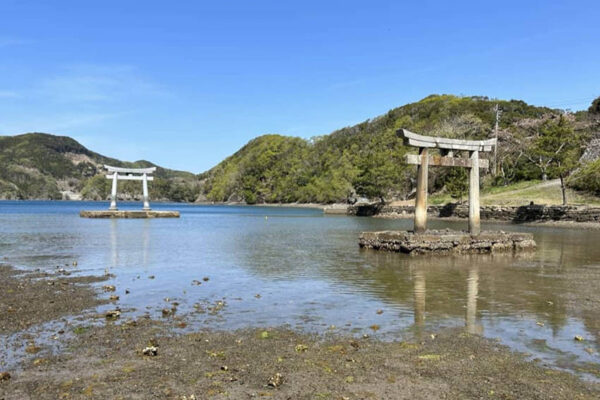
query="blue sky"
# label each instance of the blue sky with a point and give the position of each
(186, 83)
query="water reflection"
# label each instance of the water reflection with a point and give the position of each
(530, 301)
(126, 238)
(457, 282)
(420, 300)
(472, 289)
(311, 274)
(114, 249)
(145, 241)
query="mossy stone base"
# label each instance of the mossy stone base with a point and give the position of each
(128, 214)
(446, 241)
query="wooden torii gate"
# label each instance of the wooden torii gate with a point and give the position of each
(128, 174)
(446, 159)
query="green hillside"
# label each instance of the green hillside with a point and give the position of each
(367, 159)
(43, 166)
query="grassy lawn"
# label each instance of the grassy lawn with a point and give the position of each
(522, 193)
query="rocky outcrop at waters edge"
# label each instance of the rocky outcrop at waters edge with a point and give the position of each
(519, 214)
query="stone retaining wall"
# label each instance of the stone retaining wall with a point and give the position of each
(504, 213)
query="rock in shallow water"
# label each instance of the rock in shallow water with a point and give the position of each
(150, 351)
(276, 380)
(113, 314)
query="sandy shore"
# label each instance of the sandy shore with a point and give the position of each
(107, 360)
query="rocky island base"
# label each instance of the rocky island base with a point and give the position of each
(128, 214)
(446, 242)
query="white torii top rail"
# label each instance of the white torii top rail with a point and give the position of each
(447, 159)
(129, 174)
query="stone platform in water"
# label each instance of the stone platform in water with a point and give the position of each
(446, 241)
(128, 214)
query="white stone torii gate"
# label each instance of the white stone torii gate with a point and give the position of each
(447, 159)
(128, 174)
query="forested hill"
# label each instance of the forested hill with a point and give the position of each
(43, 166)
(366, 160)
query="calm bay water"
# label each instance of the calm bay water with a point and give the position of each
(286, 266)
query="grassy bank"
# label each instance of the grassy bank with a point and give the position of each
(523, 193)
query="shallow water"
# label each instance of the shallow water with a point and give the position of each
(286, 266)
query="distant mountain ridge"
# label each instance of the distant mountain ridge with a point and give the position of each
(44, 166)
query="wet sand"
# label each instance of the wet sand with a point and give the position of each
(32, 298)
(104, 358)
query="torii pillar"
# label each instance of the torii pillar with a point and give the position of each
(421, 197)
(447, 159)
(474, 220)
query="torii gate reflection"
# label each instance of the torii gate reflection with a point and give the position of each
(114, 242)
(420, 295)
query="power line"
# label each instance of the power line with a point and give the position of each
(498, 113)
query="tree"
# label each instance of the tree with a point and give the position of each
(376, 176)
(457, 183)
(381, 169)
(96, 188)
(556, 150)
(587, 178)
(595, 107)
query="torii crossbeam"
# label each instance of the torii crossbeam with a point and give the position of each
(447, 159)
(128, 174)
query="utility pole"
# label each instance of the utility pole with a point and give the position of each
(498, 112)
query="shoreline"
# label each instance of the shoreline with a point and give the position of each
(551, 224)
(274, 205)
(200, 203)
(342, 209)
(105, 357)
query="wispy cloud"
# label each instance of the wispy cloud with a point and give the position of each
(77, 98)
(54, 123)
(8, 94)
(6, 41)
(99, 84)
